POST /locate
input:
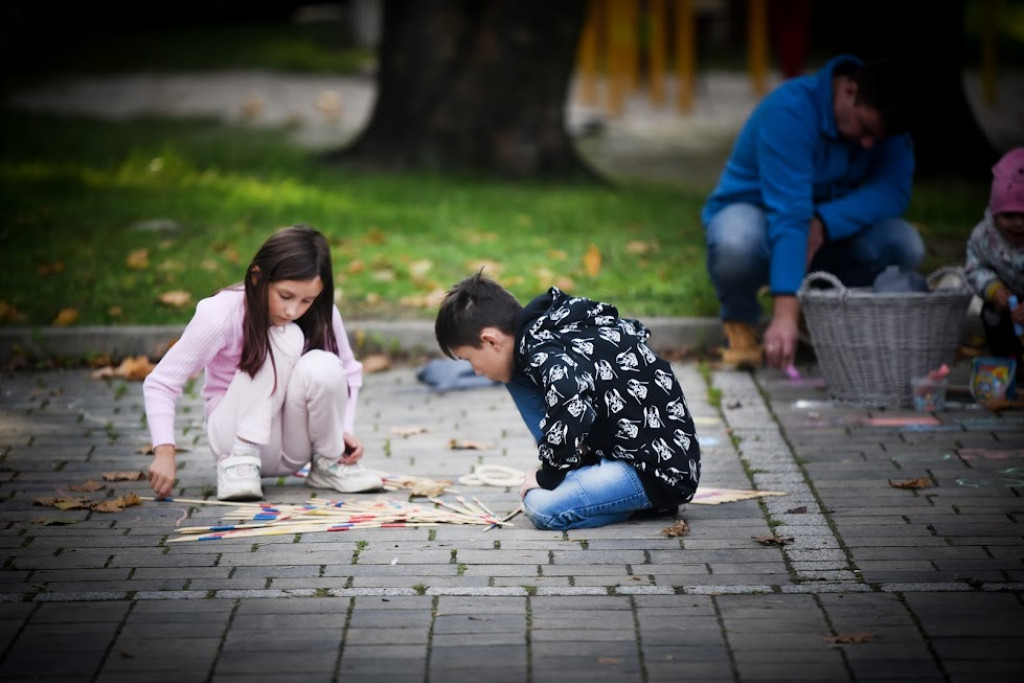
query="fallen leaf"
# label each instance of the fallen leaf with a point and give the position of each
(492, 268)
(460, 445)
(797, 510)
(919, 483)
(638, 247)
(88, 487)
(329, 104)
(55, 522)
(134, 368)
(592, 261)
(176, 298)
(148, 450)
(409, 431)
(772, 540)
(130, 475)
(46, 269)
(64, 503)
(8, 313)
(66, 317)
(680, 528)
(138, 259)
(377, 362)
(252, 106)
(118, 504)
(609, 660)
(844, 638)
(564, 283)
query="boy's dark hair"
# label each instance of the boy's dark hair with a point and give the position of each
(885, 86)
(473, 304)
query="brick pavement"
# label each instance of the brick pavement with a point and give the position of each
(927, 583)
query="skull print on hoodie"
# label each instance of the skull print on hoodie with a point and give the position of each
(606, 395)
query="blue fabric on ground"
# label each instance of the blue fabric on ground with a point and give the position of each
(450, 375)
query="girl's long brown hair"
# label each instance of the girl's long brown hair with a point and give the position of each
(295, 253)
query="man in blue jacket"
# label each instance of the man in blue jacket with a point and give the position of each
(818, 179)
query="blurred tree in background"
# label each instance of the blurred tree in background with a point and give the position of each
(466, 86)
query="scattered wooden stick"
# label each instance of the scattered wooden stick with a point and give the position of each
(267, 519)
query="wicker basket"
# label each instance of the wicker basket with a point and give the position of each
(870, 344)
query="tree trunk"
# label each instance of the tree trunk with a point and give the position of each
(474, 86)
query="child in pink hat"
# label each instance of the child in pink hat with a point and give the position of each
(995, 260)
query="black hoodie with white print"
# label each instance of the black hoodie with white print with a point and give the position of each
(607, 395)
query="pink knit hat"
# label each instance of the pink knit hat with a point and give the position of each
(1008, 183)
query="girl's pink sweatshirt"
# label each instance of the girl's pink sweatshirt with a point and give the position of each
(212, 341)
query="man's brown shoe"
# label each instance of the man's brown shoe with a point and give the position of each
(743, 348)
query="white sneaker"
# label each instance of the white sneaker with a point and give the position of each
(325, 474)
(238, 478)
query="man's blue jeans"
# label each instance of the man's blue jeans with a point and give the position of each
(739, 257)
(588, 497)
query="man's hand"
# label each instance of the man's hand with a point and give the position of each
(780, 339)
(815, 238)
(162, 470)
(353, 449)
(529, 482)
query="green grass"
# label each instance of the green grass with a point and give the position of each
(80, 197)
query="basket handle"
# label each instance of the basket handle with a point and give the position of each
(958, 271)
(820, 275)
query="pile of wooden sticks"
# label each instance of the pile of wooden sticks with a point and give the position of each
(265, 519)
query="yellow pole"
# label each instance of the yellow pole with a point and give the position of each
(989, 31)
(613, 63)
(656, 64)
(630, 43)
(588, 54)
(686, 50)
(757, 38)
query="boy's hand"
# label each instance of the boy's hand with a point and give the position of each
(162, 470)
(529, 482)
(353, 449)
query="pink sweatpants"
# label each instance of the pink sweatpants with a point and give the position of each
(301, 418)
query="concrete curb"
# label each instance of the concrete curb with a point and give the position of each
(414, 337)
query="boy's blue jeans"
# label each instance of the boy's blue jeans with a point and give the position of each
(588, 497)
(739, 256)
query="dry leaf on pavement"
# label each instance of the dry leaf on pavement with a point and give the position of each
(461, 445)
(844, 638)
(87, 487)
(772, 540)
(130, 475)
(680, 528)
(919, 483)
(134, 368)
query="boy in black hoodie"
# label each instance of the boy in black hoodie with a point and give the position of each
(614, 434)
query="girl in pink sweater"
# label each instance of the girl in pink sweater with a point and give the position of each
(280, 378)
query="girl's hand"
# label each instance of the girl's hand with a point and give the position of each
(529, 482)
(353, 450)
(162, 470)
